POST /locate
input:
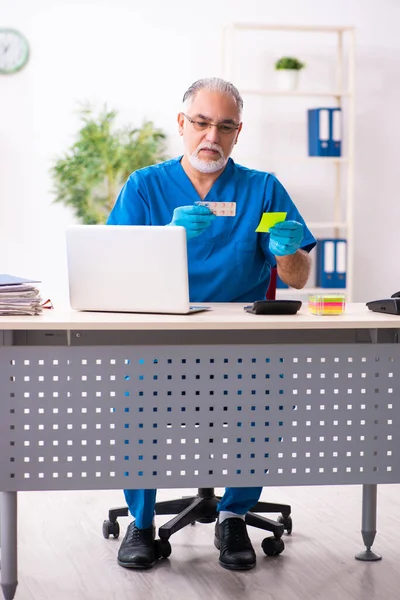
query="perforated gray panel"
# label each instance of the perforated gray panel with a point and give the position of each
(198, 416)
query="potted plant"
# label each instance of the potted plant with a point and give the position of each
(288, 69)
(89, 176)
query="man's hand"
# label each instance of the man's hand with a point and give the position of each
(285, 238)
(195, 219)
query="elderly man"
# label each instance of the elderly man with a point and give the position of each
(228, 262)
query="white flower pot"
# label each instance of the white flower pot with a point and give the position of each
(288, 79)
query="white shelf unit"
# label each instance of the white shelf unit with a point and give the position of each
(342, 91)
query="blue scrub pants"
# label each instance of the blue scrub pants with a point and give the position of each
(141, 503)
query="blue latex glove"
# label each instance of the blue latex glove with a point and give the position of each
(285, 237)
(195, 219)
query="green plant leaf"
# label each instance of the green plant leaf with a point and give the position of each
(289, 62)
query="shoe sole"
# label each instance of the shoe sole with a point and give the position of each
(217, 544)
(131, 565)
(237, 567)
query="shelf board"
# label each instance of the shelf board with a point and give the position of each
(277, 27)
(298, 93)
(310, 290)
(271, 158)
(326, 224)
(327, 159)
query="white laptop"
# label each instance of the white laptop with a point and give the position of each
(128, 268)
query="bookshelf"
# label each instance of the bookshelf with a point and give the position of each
(339, 209)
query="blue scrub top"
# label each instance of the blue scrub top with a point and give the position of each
(229, 261)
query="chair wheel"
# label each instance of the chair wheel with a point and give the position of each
(272, 546)
(287, 523)
(110, 528)
(162, 548)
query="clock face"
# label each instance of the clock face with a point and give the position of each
(14, 51)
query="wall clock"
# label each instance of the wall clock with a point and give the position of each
(14, 51)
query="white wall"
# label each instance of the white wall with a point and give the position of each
(139, 57)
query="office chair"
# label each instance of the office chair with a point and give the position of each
(203, 508)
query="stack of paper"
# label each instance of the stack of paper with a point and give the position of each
(19, 297)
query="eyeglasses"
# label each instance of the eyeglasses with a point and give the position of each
(224, 128)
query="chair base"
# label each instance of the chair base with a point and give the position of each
(203, 508)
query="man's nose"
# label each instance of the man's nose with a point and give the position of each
(212, 134)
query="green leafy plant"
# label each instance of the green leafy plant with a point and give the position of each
(288, 62)
(89, 176)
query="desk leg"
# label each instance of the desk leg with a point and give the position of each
(6, 339)
(368, 527)
(9, 544)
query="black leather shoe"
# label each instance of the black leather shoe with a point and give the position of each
(236, 551)
(137, 550)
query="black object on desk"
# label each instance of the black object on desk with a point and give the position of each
(274, 307)
(390, 306)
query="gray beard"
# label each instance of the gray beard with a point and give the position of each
(205, 166)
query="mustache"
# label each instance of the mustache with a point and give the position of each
(209, 146)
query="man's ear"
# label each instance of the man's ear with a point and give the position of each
(180, 120)
(237, 133)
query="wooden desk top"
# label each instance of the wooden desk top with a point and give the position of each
(221, 317)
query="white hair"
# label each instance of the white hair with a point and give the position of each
(214, 84)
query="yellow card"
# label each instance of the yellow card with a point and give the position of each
(268, 220)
